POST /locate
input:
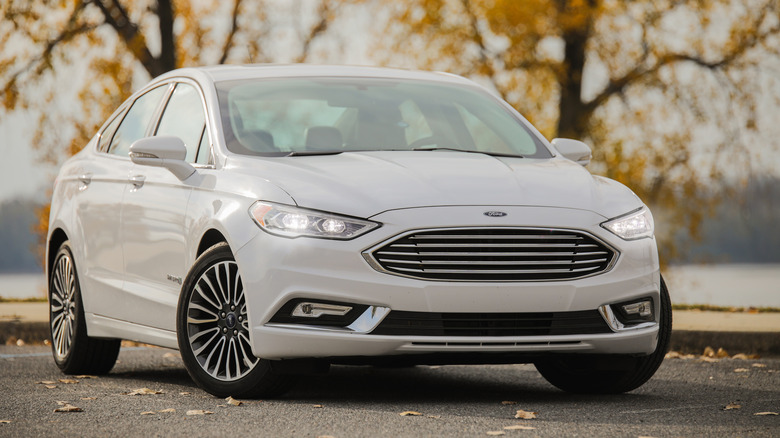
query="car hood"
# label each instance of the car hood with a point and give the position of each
(364, 184)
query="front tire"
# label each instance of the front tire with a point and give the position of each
(611, 374)
(74, 352)
(213, 331)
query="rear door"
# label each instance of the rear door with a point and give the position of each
(103, 184)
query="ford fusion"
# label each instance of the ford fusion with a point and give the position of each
(268, 221)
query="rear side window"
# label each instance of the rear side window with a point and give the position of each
(184, 118)
(105, 136)
(135, 123)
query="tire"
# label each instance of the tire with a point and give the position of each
(611, 374)
(213, 332)
(74, 352)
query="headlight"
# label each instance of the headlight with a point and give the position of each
(288, 221)
(632, 226)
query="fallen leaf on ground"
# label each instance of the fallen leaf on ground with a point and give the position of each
(766, 413)
(185, 393)
(708, 352)
(496, 432)
(435, 417)
(147, 413)
(198, 412)
(233, 402)
(518, 427)
(143, 391)
(758, 365)
(46, 382)
(89, 398)
(731, 406)
(67, 407)
(5, 421)
(20, 343)
(50, 386)
(316, 406)
(741, 370)
(68, 381)
(167, 411)
(508, 402)
(409, 414)
(740, 356)
(86, 376)
(722, 353)
(525, 415)
(709, 359)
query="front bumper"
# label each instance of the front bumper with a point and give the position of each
(276, 270)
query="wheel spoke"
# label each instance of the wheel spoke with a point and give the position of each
(62, 305)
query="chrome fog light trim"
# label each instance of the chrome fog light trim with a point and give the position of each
(315, 310)
(365, 323)
(611, 318)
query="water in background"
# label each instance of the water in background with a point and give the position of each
(738, 285)
(748, 285)
(22, 285)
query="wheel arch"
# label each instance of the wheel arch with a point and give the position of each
(210, 238)
(56, 239)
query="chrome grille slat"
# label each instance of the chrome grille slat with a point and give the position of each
(494, 254)
(493, 262)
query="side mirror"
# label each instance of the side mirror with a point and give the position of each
(162, 151)
(574, 150)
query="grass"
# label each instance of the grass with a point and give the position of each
(709, 308)
(23, 300)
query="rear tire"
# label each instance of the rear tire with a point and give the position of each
(213, 332)
(602, 374)
(74, 352)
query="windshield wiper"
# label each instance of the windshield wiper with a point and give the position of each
(492, 154)
(310, 153)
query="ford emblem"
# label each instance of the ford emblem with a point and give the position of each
(495, 214)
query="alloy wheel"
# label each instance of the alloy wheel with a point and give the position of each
(63, 306)
(217, 326)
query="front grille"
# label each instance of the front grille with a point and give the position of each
(401, 323)
(494, 254)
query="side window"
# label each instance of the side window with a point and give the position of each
(136, 121)
(184, 118)
(105, 136)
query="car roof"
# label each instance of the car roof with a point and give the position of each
(220, 73)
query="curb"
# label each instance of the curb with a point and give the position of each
(764, 344)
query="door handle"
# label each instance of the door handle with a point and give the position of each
(137, 181)
(84, 180)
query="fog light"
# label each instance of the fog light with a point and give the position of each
(643, 309)
(315, 310)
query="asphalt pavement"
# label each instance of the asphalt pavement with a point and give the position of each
(691, 396)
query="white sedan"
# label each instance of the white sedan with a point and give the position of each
(268, 221)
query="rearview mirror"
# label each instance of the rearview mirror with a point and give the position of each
(574, 150)
(162, 151)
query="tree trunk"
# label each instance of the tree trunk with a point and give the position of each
(572, 111)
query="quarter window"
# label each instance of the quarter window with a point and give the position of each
(184, 118)
(136, 121)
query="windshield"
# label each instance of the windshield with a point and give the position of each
(301, 116)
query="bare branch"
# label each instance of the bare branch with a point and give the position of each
(640, 71)
(324, 14)
(233, 29)
(116, 16)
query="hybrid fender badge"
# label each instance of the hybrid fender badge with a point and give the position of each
(494, 213)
